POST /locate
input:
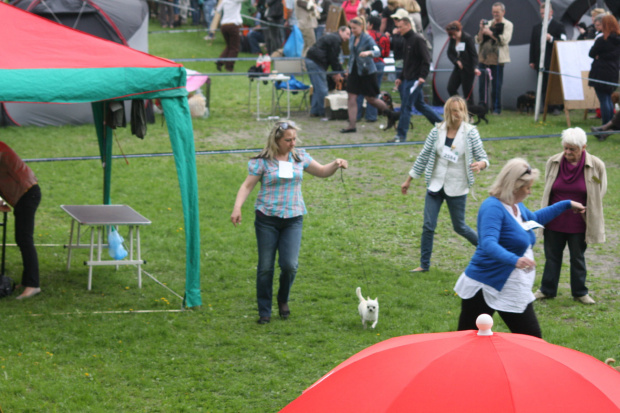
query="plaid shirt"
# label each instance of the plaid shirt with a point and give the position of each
(280, 197)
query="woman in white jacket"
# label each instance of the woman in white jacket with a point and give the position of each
(451, 154)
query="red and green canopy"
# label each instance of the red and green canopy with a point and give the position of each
(42, 61)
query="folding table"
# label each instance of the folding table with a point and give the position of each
(99, 217)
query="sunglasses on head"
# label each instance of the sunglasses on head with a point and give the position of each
(528, 171)
(286, 125)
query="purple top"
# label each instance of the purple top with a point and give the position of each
(569, 185)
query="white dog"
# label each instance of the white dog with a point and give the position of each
(368, 309)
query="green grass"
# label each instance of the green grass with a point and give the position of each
(58, 355)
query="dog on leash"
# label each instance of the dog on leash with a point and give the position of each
(480, 111)
(392, 117)
(368, 309)
(526, 102)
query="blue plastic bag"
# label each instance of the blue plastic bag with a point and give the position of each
(115, 245)
(294, 44)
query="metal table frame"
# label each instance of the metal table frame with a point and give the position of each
(273, 78)
(100, 217)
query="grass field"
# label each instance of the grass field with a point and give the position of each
(73, 350)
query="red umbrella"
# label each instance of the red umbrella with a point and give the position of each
(465, 371)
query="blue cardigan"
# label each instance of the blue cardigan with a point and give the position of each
(502, 241)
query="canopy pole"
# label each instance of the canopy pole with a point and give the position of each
(541, 61)
(105, 139)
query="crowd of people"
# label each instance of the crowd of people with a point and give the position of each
(394, 28)
(500, 276)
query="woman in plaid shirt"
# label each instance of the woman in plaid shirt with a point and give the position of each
(279, 211)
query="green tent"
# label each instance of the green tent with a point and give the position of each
(43, 61)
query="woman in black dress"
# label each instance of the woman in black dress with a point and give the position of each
(362, 72)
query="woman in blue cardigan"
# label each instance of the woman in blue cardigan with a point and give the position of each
(362, 72)
(501, 273)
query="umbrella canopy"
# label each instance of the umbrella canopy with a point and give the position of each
(465, 372)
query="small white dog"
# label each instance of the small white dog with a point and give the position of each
(368, 309)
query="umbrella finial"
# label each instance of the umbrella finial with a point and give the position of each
(484, 322)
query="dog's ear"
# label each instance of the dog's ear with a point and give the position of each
(377, 298)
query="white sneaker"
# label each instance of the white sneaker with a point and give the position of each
(586, 299)
(539, 295)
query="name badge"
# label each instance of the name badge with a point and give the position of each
(460, 47)
(448, 155)
(528, 225)
(285, 169)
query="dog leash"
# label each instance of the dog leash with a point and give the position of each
(350, 208)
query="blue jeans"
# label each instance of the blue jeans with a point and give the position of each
(415, 99)
(255, 37)
(432, 205)
(284, 236)
(318, 78)
(497, 73)
(371, 111)
(318, 31)
(554, 250)
(607, 106)
(208, 9)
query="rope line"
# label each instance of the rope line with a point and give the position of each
(315, 147)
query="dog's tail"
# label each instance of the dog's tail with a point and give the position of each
(358, 291)
(610, 362)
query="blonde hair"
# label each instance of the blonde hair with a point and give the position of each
(393, 4)
(277, 132)
(412, 6)
(447, 112)
(597, 11)
(359, 21)
(514, 175)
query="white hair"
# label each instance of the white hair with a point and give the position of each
(575, 137)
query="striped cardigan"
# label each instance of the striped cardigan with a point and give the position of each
(425, 162)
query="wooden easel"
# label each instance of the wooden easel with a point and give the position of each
(556, 91)
(336, 19)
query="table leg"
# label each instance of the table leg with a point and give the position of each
(70, 244)
(90, 267)
(288, 101)
(139, 257)
(257, 100)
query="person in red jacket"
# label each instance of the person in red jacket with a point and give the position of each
(20, 190)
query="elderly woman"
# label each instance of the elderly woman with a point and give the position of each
(451, 154)
(605, 54)
(501, 273)
(362, 70)
(577, 175)
(463, 55)
(279, 211)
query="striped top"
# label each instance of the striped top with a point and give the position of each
(280, 197)
(425, 162)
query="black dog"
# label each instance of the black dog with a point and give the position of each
(392, 117)
(480, 111)
(526, 101)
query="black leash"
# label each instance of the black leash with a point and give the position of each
(350, 208)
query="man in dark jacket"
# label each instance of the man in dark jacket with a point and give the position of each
(555, 31)
(416, 66)
(323, 54)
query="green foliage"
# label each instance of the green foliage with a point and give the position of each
(70, 350)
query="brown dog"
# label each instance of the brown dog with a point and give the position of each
(610, 360)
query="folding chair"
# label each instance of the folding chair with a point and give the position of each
(290, 67)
